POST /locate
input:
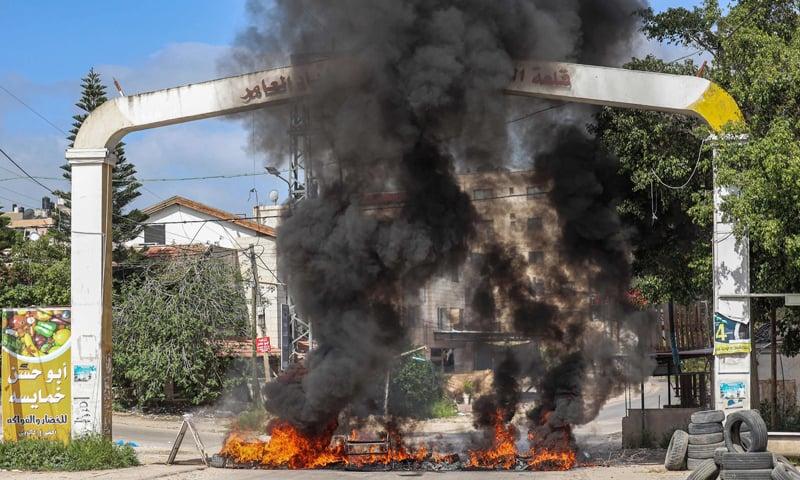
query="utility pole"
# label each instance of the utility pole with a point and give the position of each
(253, 330)
(773, 338)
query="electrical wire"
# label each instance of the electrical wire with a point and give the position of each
(694, 170)
(31, 109)
(25, 171)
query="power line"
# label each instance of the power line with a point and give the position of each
(694, 170)
(32, 109)
(25, 172)
(529, 115)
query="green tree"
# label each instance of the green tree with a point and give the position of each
(37, 274)
(672, 226)
(170, 324)
(126, 226)
(755, 48)
(414, 388)
(7, 236)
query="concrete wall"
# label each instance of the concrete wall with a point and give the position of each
(659, 423)
(788, 373)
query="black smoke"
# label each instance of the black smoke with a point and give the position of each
(430, 99)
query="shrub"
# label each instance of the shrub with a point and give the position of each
(88, 453)
(252, 419)
(444, 408)
(414, 389)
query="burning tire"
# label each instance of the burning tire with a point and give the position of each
(708, 416)
(747, 461)
(705, 428)
(733, 432)
(706, 439)
(707, 470)
(746, 474)
(676, 452)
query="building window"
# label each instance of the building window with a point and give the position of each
(485, 227)
(444, 358)
(454, 276)
(482, 193)
(537, 284)
(535, 191)
(536, 257)
(449, 318)
(155, 234)
(534, 224)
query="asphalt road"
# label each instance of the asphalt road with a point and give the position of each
(152, 472)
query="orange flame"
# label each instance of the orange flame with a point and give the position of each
(503, 452)
(292, 449)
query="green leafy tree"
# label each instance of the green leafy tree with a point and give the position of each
(7, 236)
(37, 274)
(126, 226)
(414, 388)
(170, 324)
(672, 226)
(756, 57)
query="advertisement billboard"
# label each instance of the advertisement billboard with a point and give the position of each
(36, 373)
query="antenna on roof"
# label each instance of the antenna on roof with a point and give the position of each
(119, 87)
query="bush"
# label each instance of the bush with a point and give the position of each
(444, 408)
(414, 389)
(88, 453)
(170, 328)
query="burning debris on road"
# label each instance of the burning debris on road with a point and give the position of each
(432, 102)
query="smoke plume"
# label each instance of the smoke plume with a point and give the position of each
(430, 100)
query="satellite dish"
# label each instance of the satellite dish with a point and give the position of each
(33, 236)
(273, 195)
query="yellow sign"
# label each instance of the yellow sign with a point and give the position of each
(36, 373)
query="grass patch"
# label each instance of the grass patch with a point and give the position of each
(88, 453)
(444, 408)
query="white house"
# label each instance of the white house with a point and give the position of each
(181, 221)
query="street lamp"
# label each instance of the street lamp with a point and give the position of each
(276, 173)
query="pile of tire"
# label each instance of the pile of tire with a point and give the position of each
(705, 436)
(742, 455)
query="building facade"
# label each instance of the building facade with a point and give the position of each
(513, 210)
(181, 222)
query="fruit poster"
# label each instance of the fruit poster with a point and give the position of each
(36, 373)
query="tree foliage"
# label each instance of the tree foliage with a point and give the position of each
(126, 226)
(672, 227)
(755, 52)
(37, 274)
(169, 326)
(414, 388)
(7, 236)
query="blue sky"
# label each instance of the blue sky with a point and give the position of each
(49, 45)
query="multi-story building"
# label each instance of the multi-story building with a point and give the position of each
(513, 210)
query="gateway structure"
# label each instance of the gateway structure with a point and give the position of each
(92, 162)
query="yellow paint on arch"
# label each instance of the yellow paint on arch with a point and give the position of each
(717, 108)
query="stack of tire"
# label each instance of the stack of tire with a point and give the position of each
(705, 437)
(742, 456)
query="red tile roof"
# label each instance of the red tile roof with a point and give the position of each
(211, 211)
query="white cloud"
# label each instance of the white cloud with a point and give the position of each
(175, 64)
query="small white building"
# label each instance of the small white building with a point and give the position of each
(180, 221)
